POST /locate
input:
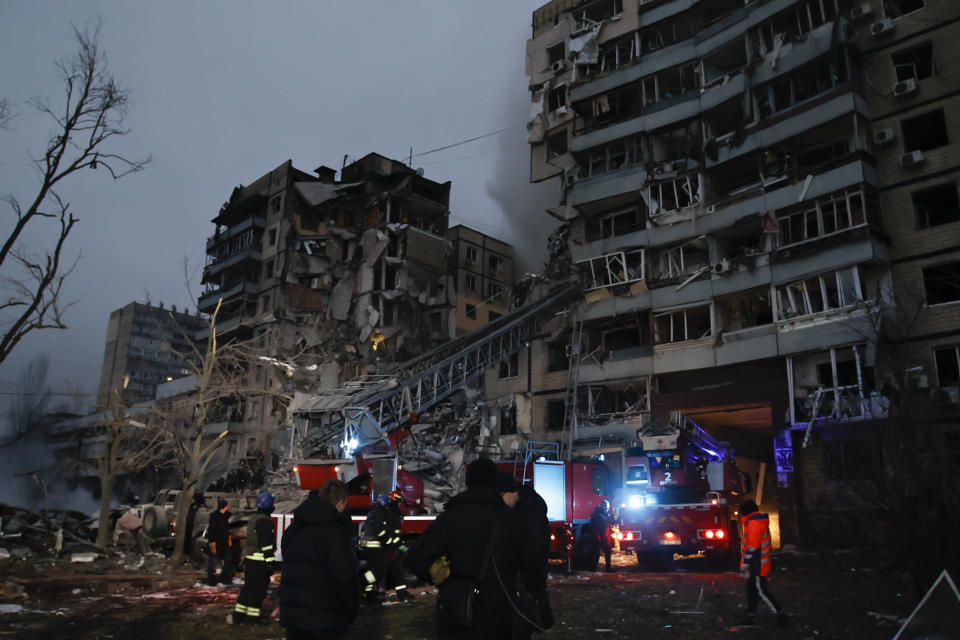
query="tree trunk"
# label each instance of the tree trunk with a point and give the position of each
(107, 483)
(182, 511)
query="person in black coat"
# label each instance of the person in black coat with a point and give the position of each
(600, 523)
(319, 588)
(531, 549)
(218, 535)
(461, 534)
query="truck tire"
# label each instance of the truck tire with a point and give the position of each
(155, 521)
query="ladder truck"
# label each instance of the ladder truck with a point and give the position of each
(680, 496)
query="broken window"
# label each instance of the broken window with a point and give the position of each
(472, 255)
(615, 106)
(914, 63)
(471, 311)
(494, 291)
(681, 325)
(614, 156)
(616, 399)
(672, 195)
(612, 268)
(617, 53)
(724, 61)
(556, 53)
(495, 264)
(681, 261)
(557, 98)
(947, 361)
(825, 292)
(268, 269)
(508, 420)
(556, 145)
(272, 237)
(813, 157)
(942, 283)
(265, 303)
(436, 322)
(744, 310)
(838, 384)
(925, 131)
(557, 355)
(802, 85)
(470, 283)
(510, 367)
(616, 223)
(799, 19)
(936, 205)
(833, 213)
(898, 8)
(556, 410)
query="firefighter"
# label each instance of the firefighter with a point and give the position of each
(381, 549)
(755, 548)
(258, 562)
(218, 534)
(600, 523)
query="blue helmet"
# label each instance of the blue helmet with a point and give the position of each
(265, 501)
(383, 499)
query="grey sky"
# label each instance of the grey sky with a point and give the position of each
(226, 91)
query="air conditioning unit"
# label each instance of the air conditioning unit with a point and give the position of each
(710, 208)
(883, 136)
(722, 267)
(905, 87)
(881, 27)
(663, 170)
(558, 66)
(911, 159)
(861, 11)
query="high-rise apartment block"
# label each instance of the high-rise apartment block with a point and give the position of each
(751, 190)
(483, 270)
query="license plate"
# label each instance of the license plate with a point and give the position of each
(669, 542)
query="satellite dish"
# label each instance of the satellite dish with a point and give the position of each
(420, 171)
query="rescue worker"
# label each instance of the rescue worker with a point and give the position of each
(755, 548)
(258, 562)
(319, 591)
(218, 534)
(600, 523)
(381, 544)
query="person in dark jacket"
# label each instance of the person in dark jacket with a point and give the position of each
(258, 563)
(461, 533)
(531, 546)
(319, 587)
(600, 523)
(218, 535)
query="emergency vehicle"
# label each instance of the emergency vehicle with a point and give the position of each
(571, 489)
(680, 495)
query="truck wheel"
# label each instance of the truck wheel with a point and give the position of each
(155, 521)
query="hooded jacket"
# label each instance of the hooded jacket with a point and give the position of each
(461, 533)
(319, 588)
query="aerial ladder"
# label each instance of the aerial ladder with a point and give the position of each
(573, 381)
(363, 413)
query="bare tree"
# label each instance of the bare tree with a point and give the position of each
(128, 446)
(29, 402)
(85, 126)
(222, 374)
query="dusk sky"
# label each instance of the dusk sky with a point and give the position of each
(223, 92)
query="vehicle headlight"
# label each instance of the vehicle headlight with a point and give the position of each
(650, 499)
(635, 501)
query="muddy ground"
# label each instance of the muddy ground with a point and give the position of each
(829, 596)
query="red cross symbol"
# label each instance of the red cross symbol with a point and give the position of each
(660, 442)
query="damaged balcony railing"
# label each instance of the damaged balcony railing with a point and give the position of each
(354, 418)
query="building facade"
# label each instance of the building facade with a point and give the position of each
(749, 189)
(483, 270)
(149, 344)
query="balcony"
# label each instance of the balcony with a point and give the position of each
(254, 222)
(208, 301)
(249, 253)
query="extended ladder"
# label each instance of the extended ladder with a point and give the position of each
(573, 379)
(535, 450)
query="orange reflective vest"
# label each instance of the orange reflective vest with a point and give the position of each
(756, 539)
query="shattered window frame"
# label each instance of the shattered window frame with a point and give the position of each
(681, 325)
(494, 291)
(556, 144)
(683, 192)
(835, 213)
(834, 291)
(556, 52)
(946, 362)
(941, 283)
(893, 8)
(925, 131)
(472, 255)
(509, 368)
(557, 98)
(928, 216)
(508, 420)
(555, 414)
(619, 267)
(780, 94)
(557, 358)
(914, 62)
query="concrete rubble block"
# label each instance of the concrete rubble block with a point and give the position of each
(341, 298)
(87, 556)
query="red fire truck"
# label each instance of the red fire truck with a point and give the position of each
(571, 489)
(680, 495)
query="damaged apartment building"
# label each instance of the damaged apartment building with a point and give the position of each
(747, 187)
(341, 277)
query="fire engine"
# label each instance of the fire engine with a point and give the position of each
(680, 495)
(571, 489)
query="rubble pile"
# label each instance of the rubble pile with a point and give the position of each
(25, 534)
(439, 445)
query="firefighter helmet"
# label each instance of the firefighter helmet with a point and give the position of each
(605, 506)
(395, 496)
(383, 500)
(265, 501)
